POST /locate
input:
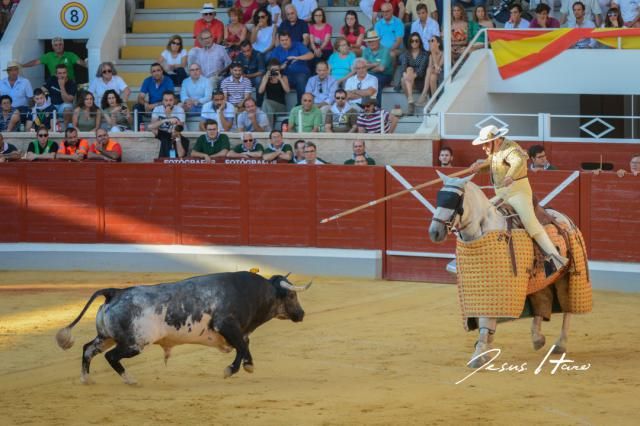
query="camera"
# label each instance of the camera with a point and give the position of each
(274, 73)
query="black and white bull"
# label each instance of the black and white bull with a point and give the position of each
(219, 310)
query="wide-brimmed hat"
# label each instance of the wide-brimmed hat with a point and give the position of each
(368, 101)
(371, 35)
(12, 64)
(208, 8)
(488, 134)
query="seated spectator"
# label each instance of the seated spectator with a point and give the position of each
(341, 117)
(311, 155)
(9, 151)
(173, 60)
(379, 61)
(62, 93)
(274, 88)
(58, 56)
(247, 9)
(341, 61)
(116, 117)
(445, 157)
(369, 120)
(298, 151)
(107, 78)
(42, 112)
(481, 18)
(395, 7)
(516, 21)
(294, 58)
(219, 110)
(263, 33)
(195, 91)
(248, 148)
(277, 150)
(234, 32)
(296, 29)
(462, 32)
(18, 88)
(178, 146)
(542, 19)
(252, 118)
(424, 25)
(320, 37)
(305, 8)
(592, 12)
(9, 116)
(252, 64)
(412, 6)
(86, 115)
(360, 150)
(164, 117)
(273, 7)
(634, 167)
(306, 117)
(212, 58)
(630, 12)
(413, 65)
(72, 148)
(152, 89)
(236, 87)
(352, 32)
(360, 160)
(613, 19)
(539, 159)
(322, 86)
(434, 70)
(7, 8)
(212, 144)
(208, 22)
(390, 29)
(580, 21)
(42, 148)
(362, 84)
(104, 148)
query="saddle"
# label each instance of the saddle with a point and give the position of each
(557, 232)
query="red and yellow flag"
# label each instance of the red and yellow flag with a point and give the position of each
(518, 51)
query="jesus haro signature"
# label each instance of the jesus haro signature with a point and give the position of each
(555, 365)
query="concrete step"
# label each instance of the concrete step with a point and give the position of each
(173, 4)
(157, 39)
(156, 26)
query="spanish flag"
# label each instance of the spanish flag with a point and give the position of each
(518, 51)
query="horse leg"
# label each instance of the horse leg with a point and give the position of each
(537, 338)
(486, 327)
(561, 343)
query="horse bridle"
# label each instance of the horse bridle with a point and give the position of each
(454, 201)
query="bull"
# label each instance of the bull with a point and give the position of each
(218, 310)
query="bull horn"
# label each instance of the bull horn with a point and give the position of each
(288, 286)
(287, 276)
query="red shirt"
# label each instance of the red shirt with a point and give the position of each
(247, 13)
(216, 27)
(112, 146)
(378, 4)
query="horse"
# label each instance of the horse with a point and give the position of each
(464, 208)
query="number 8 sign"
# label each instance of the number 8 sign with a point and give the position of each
(74, 15)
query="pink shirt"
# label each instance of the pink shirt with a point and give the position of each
(351, 38)
(317, 36)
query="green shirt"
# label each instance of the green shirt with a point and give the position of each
(202, 144)
(285, 147)
(310, 119)
(240, 149)
(381, 57)
(51, 60)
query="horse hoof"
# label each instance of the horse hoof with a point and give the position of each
(478, 362)
(85, 379)
(248, 367)
(539, 343)
(129, 380)
(559, 350)
(227, 372)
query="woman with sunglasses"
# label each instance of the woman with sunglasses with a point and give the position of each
(42, 148)
(613, 19)
(434, 69)
(86, 116)
(413, 66)
(107, 78)
(320, 35)
(353, 32)
(174, 60)
(263, 33)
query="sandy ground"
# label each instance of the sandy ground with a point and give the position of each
(368, 352)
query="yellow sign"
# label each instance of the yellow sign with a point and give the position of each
(74, 15)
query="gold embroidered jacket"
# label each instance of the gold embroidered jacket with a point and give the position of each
(509, 160)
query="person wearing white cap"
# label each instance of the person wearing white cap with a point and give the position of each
(18, 87)
(208, 22)
(508, 168)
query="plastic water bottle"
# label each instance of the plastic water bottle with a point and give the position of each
(142, 127)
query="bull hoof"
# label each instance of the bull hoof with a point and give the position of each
(559, 350)
(85, 379)
(129, 380)
(539, 343)
(248, 367)
(228, 372)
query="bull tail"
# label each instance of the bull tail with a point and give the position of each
(63, 336)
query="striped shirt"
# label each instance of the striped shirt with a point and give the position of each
(371, 121)
(236, 90)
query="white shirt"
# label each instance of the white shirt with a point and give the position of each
(159, 113)
(21, 91)
(584, 43)
(264, 38)
(521, 25)
(212, 60)
(170, 60)
(275, 10)
(430, 29)
(591, 8)
(209, 113)
(98, 86)
(352, 84)
(304, 8)
(629, 9)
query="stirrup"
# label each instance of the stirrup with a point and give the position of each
(452, 267)
(553, 263)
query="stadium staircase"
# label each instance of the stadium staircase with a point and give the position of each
(160, 19)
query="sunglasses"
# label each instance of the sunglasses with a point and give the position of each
(209, 14)
(43, 135)
(248, 140)
(176, 42)
(340, 98)
(612, 14)
(415, 40)
(262, 16)
(359, 86)
(107, 71)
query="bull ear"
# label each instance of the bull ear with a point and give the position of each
(469, 178)
(442, 176)
(288, 286)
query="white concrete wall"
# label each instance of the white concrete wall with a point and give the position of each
(20, 42)
(106, 39)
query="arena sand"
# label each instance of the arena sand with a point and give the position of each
(368, 352)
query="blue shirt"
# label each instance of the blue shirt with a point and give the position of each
(252, 65)
(155, 93)
(389, 31)
(296, 30)
(297, 49)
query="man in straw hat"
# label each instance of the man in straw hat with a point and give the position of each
(208, 22)
(508, 167)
